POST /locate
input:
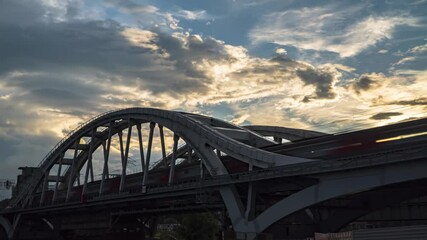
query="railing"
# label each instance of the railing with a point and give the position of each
(303, 168)
(80, 126)
(29, 184)
(319, 167)
(168, 155)
(34, 179)
(292, 170)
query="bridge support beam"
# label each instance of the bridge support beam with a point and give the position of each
(189, 154)
(15, 226)
(125, 157)
(7, 227)
(106, 150)
(58, 175)
(173, 160)
(44, 187)
(150, 144)
(329, 186)
(72, 172)
(162, 142)
(141, 147)
(198, 131)
(89, 169)
(250, 203)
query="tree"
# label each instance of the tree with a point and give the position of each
(197, 226)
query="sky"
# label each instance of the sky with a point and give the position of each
(329, 66)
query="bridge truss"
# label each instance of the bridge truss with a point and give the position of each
(221, 155)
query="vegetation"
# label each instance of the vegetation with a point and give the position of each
(198, 226)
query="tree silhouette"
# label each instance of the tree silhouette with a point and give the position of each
(197, 226)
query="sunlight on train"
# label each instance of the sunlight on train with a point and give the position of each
(401, 137)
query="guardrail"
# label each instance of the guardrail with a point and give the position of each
(319, 167)
(302, 168)
(31, 181)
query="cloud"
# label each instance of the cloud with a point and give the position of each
(329, 28)
(395, 87)
(132, 7)
(88, 63)
(385, 115)
(63, 70)
(419, 49)
(323, 80)
(281, 51)
(192, 15)
(404, 60)
(365, 83)
(140, 38)
(414, 102)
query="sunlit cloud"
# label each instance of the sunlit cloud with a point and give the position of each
(65, 66)
(419, 49)
(132, 7)
(327, 29)
(193, 15)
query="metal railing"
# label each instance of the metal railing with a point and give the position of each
(168, 155)
(319, 167)
(29, 184)
(303, 168)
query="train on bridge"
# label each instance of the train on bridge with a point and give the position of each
(280, 182)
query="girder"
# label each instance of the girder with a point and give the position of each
(291, 134)
(66, 161)
(369, 201)
(234, 133)
(6, 225)
(80, 147)
(339, 184)
(199, 132)
(52, 178)
(211, 142)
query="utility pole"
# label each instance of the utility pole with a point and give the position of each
(6, 184)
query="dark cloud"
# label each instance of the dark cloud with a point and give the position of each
(167, 63)
(267, 74)
(55, 90)
(22, 141)
(282, 59)
(306, 99)
(94, 45)
(50, 97)
(385, 115)
(415, 102)
(100, 47)
(364, 83)
(20, 13)
(13, 142)
(187, 51)
(322, 80)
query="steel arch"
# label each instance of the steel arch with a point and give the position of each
(291, 134)
(333, 185)
(202, 133)
(6, 225)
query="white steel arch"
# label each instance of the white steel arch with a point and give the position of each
(201, 133)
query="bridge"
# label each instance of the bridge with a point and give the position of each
(263, 179)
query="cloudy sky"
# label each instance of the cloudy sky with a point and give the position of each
(325, 65)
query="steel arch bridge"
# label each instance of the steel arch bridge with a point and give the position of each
(229, 159)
